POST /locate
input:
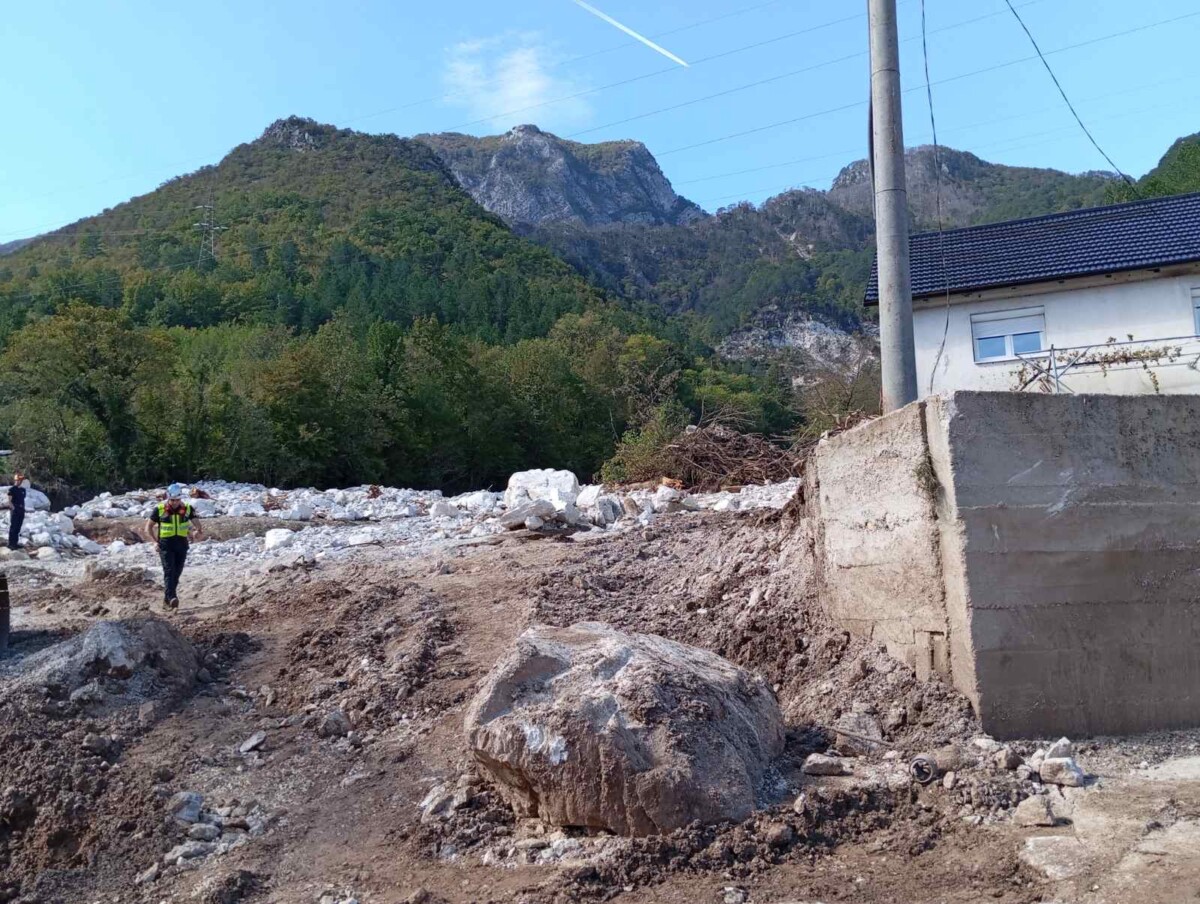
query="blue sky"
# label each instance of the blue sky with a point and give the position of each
(107, 100)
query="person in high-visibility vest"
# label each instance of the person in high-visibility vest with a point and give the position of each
(172, 524)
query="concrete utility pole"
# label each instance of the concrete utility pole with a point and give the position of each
(891, 210)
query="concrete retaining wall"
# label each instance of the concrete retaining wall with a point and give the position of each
(880, 566)
(1054, 539)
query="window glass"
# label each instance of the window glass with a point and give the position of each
(1026, 343)
(1008, 333)
(991, 347)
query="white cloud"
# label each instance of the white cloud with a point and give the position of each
(511, 79)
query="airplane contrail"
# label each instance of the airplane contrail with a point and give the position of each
(629, 31)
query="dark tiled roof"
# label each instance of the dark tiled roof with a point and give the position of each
(1152, 233)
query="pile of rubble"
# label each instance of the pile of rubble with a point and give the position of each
(48, 536)
(538, 500)
(247, 500)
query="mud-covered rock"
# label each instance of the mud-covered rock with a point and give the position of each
(631, 733)
(135, 658)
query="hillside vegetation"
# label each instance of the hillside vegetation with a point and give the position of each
(365, 320)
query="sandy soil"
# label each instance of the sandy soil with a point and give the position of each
(399, 644)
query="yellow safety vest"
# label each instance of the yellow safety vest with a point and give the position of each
(175, 525)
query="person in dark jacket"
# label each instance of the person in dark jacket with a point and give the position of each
(172, 523)
(16, 502)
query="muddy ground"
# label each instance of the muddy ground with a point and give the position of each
(315, 812)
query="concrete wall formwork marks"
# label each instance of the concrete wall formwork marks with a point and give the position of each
(1066, 564)
(878, 535)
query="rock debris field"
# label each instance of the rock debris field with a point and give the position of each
(554, 693)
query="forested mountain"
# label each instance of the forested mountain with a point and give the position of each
(1177, 173)
(316, 220)
(531, 178)
(805, 250)
(363, 320)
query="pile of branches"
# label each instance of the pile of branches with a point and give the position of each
(715, 457)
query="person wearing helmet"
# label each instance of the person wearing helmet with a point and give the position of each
(172, 523)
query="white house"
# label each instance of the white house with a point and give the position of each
(1103, 300)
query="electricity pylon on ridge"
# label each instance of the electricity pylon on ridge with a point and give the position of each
(209, 228)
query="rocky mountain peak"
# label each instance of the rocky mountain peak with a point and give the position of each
(533, 178)
(296, 133)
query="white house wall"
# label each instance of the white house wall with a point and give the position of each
(1149, 310)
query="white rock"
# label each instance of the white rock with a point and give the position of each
(189, 850)
(205, 508)
(301, 512)
(1062, 771)
(278, 538)
(570, 514)
(35, 500)
(116, 546)
(589, 496)
(560, 487)
(481, 502)
(60, 523)
(819, 764)
(666, 498)
(247, 510)
(184, 807)
(91, 547)
(1060, 749)
(252, 743)
(361, 538)
(514, 518)
(47, 552)
(533, 522)
(608, 510)
(443, 508)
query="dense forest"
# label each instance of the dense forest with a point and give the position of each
(364, 320)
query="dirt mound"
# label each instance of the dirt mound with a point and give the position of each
(69, 713)
(367, 649)
(744, 592)
(111, 664)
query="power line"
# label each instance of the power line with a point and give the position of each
(655, 73)
(1067, 100)
(571, 61)
(172, 168)
(937, 179)
(962, 128)
(809, 181)
(775, 78)
(956, 78)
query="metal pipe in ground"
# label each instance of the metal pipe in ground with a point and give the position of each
(5, 607)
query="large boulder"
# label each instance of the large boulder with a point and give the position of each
(35, 500)
(630, 733)
(559, 487)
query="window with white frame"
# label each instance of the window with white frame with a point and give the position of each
(1009, 334)
(1196, 307)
